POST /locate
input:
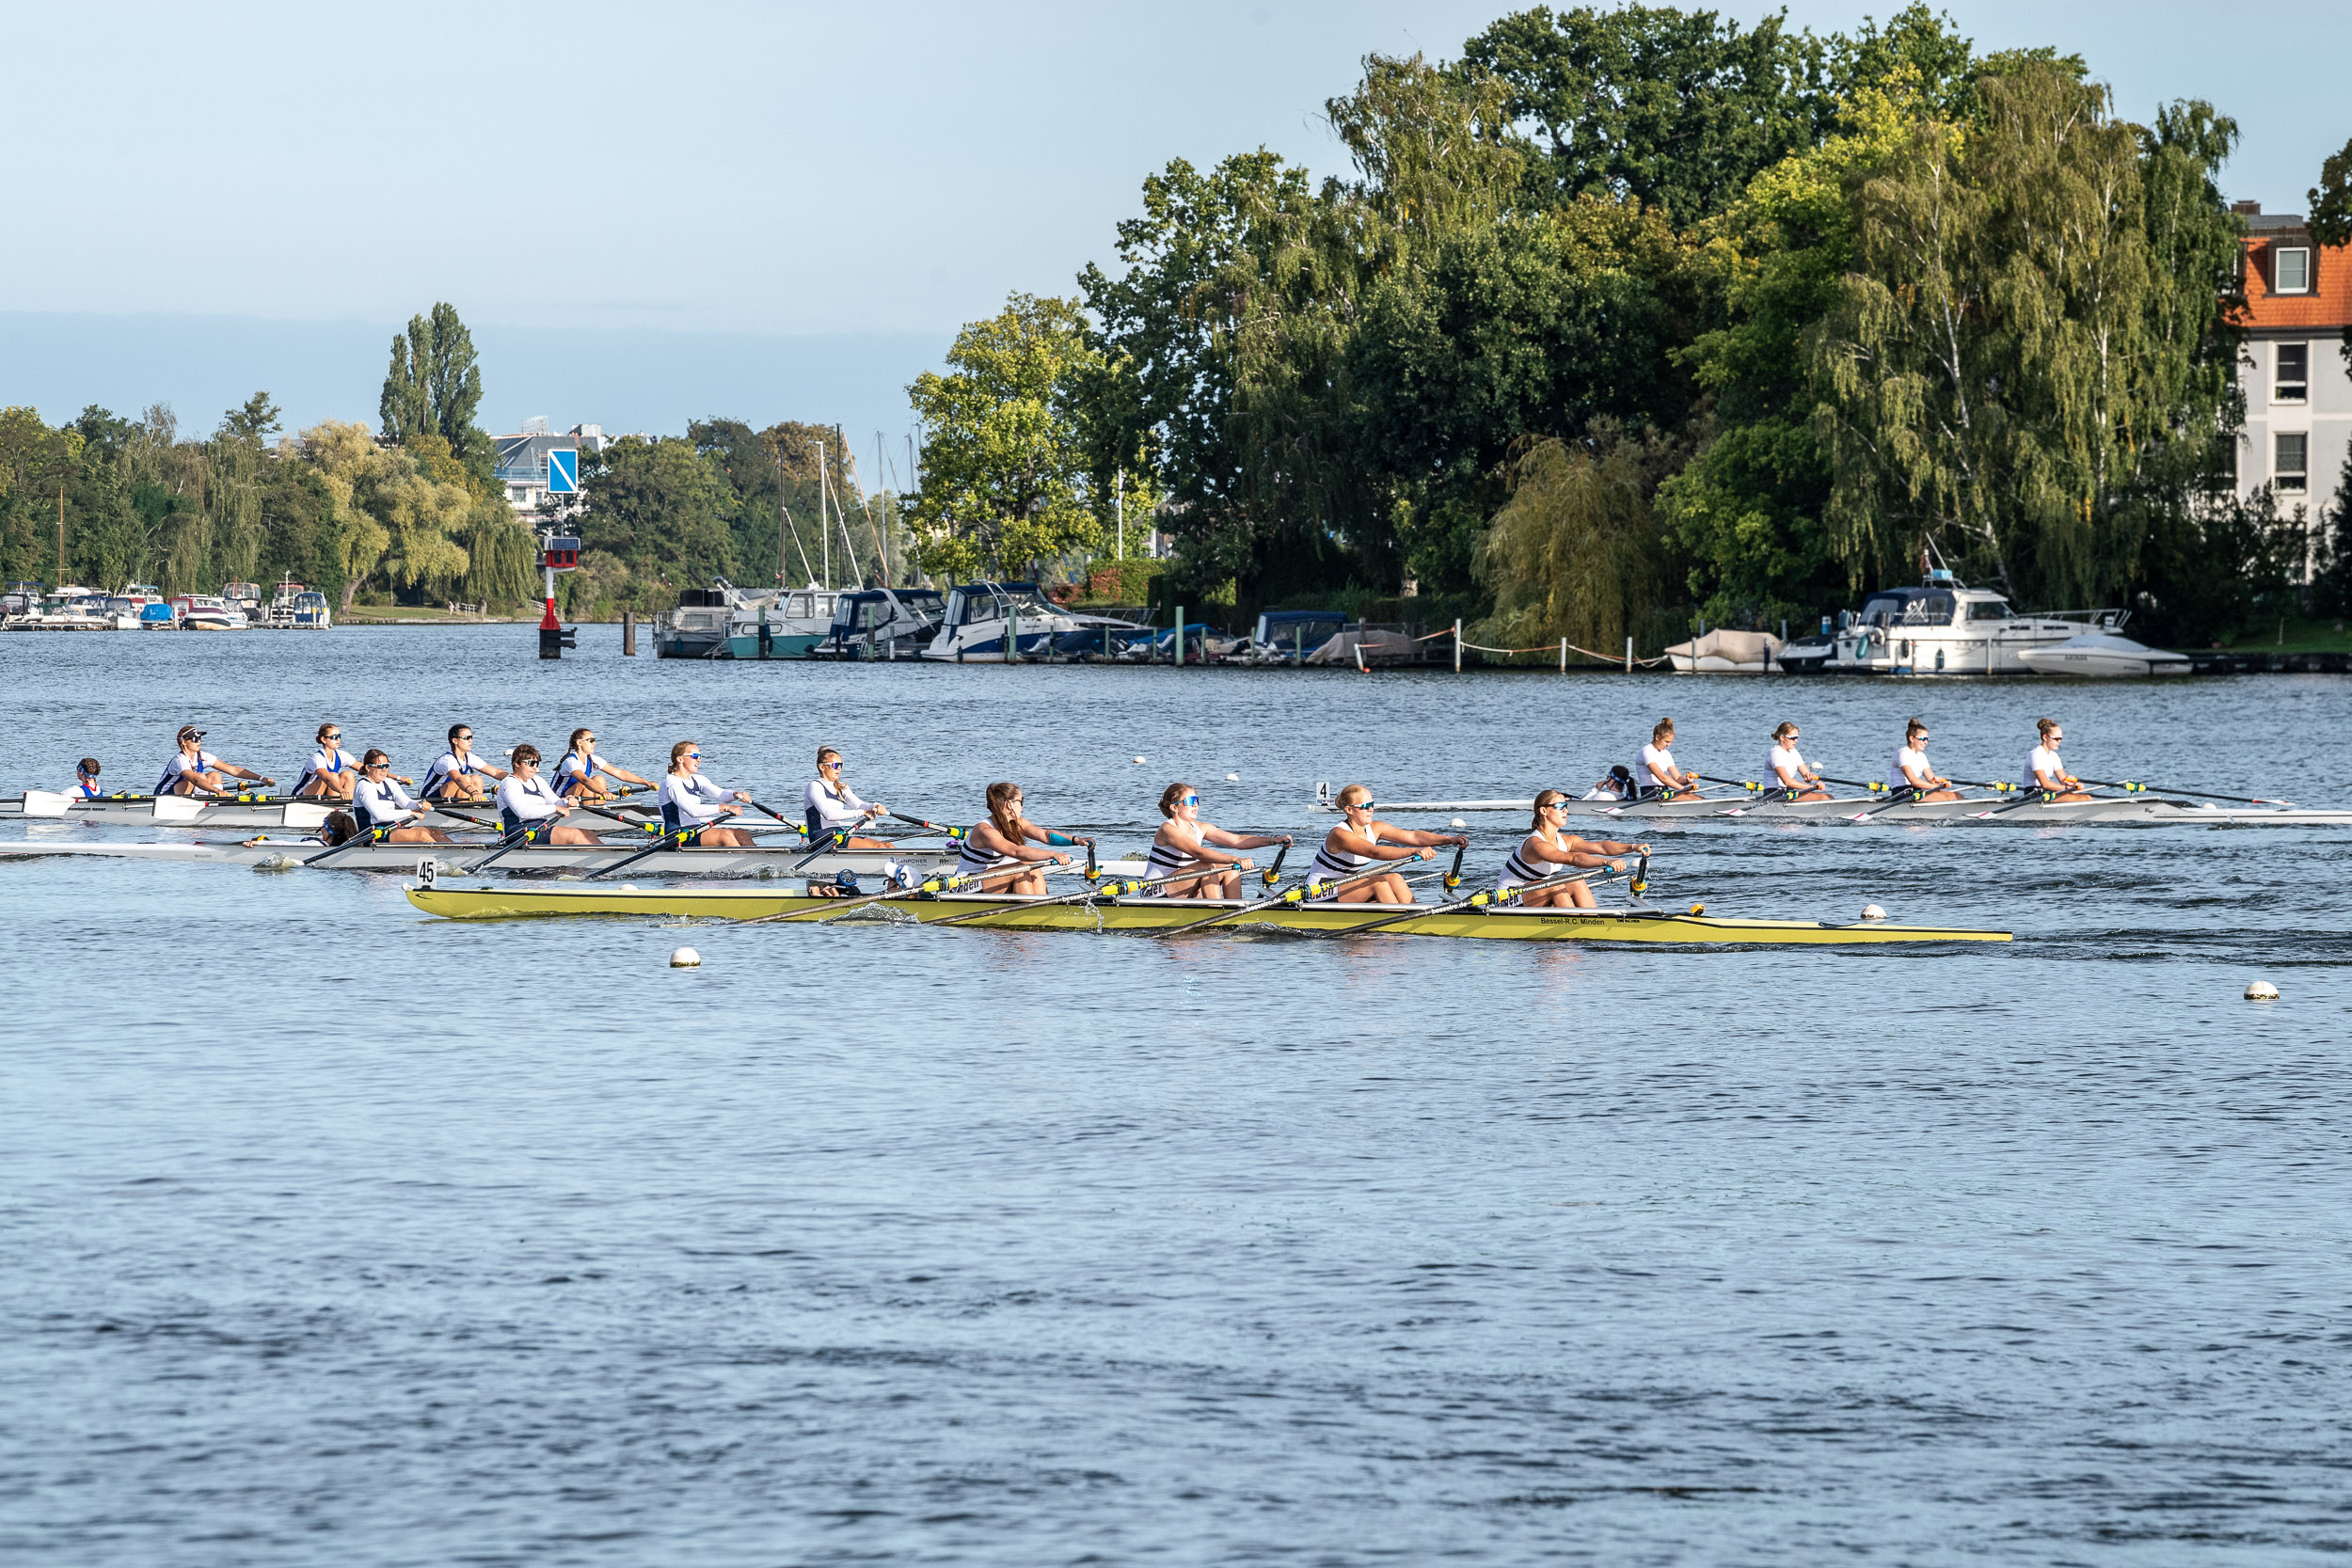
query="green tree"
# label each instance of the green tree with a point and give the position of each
(660, 507)
(1003, 474)
(434, 388)
(1576, 551)
(256, 419)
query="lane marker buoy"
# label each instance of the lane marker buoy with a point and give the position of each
(1871, 912)
(2262, 991)
(1232, 778)
(686, 957)
(1138, 761)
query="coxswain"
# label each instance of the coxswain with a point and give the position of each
(998, 848)
(458, 773)
(193, 768)
(692, 805)
(2046, 773)
(1618, 786)
(1912, 779)
(381, 807)
(1655, 775)
(85, 780)
(1788, 769)
(331, 771)
(1551, 850)
(527, 806)
(1185, 842)
(834, 807)
(576, 773)
(1361, 841)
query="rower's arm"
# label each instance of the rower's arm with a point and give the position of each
(1357, 844)
(1416, 837)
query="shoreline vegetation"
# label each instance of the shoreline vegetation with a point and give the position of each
(1618, 322)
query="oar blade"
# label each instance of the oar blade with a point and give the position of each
(178, 808)
(46, 802)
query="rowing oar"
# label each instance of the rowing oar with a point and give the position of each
(1110, 890)
(953, 882)
(2130, 788)
(1481, 899)
(667, 841)
(370, 836)
(1294, 896)
(516, 839)
(931, 827)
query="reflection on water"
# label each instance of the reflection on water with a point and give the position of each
(330, 1232)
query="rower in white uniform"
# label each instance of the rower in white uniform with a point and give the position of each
(1788, 769)
(1618, 786)
(1006, 851)
(381, 807)
(1655, 775)
(529, 805)
(834, 807)
(2045, 773)
(1551, 850)
(1911, 778)
(576, 772)
(331, 772)
(194, 770)
(457, 774)
(85, 780)
(1185, 842)
(1362, 841)
(694, 806)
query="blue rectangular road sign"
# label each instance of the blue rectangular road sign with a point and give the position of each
(563, 471)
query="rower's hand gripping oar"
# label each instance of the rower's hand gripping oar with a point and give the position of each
(825, 908)
(1484, 899)
(1298, 895)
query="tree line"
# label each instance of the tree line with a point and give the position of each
(1631, 317)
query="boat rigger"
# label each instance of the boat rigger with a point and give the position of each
(1146, 915)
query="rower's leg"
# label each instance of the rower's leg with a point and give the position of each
(1575, 896)
(561, 834)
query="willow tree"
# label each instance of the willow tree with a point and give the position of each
(1575, 551)
(2007, 359)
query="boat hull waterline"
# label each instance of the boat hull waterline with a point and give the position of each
(1152, 914)
(452, 859)
(2140, 810)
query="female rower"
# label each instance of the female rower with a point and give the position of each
(85, 780)
(1551, 850)
(331, 771)
(195, 769)
(459, 774)
(1004, 835)
(693, 805)
(378, 802)
(576, 774)
(1655, 776)
(1911, 778)
(1797, 782)
(2046, 773)
(1618, 786)
(1182, 843)
(834, 806)
(526, 802)
(1362, 840)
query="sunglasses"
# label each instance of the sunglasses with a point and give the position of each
(1187, 800)
(1362, 805)
(467, 736)
(696, 755)
(832, 766)
(333, 735)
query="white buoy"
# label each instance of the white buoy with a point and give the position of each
(1232, 778)
(2262, 991)
(686, 957)
(1457, 822)
(1871, 912)
(1138, 762)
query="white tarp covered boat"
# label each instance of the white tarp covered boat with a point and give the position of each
(1725, 653)
(2102, 653)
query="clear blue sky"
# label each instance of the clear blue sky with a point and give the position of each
(774, 211)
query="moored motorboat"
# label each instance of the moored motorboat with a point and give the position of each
(2104, 654)
(996, 623)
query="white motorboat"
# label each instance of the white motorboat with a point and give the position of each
(697, 629)
(211, 612)
(882, 622)
(996, 623)
(2103, 654)
(1943, 628)
(295, 608)
(784, 623)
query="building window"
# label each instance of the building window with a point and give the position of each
(2291, 382)
(2292, 471)
(2291, 271)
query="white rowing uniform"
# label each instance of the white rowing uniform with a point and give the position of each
(1786, 766)
(690, 802)
(1650, 768)
(1336, 866)
(447, 767)
(575, 772)
(830, 807)
(525, 800)
(1524, 867)
(971, 860)
(2041, 760)
(84, 788)
(1605, 790)
(380, 805)
(325, 763)
(1171, 860)
(1917, 761)
(181, 763)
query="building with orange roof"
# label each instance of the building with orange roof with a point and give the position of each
(2298, 394)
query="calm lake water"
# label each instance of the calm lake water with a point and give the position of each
(329, 1234)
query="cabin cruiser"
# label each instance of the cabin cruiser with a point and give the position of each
(697, 629)
(1288, 636)
(984, 619)
(1943, 628)
(780, 623)
(884, 623)
(2103, 654)
(1101, 636)
(295, 608)
(210, 613)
